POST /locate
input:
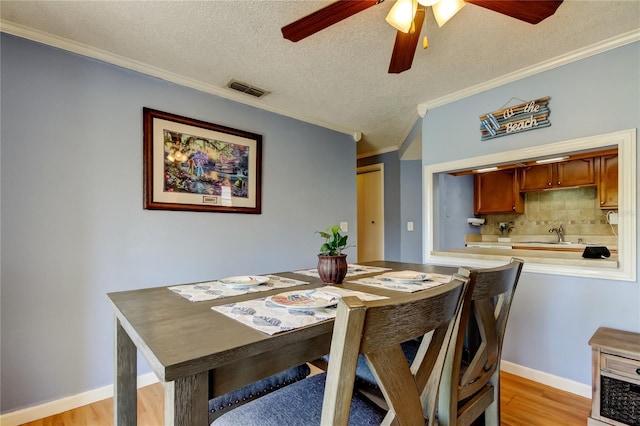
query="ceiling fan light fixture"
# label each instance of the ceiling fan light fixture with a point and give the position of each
(401, 15)
(444, 10)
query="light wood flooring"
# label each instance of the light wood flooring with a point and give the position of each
(523, 403)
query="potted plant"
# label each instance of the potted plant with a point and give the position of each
(505, 229)
(332, 264)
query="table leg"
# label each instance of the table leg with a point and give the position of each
(125, 398)
(186, 401)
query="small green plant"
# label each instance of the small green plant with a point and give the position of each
(505, 228)
(335, 241)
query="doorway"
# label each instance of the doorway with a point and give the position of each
(370, 193)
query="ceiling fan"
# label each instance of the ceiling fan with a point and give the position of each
(407, 16)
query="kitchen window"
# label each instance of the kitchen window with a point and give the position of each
(436, 192)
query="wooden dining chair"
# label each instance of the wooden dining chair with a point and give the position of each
(470, 384)
(376, 330)
(472, 387)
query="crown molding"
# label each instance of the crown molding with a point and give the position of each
(558, 61)
(378, 152)
(143, 68)
(422, 110)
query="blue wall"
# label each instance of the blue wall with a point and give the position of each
(553, 317)
(73, 226)
(411, 210)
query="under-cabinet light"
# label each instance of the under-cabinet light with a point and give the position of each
(486, 169)
(551, 160)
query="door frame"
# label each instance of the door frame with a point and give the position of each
(375, 168)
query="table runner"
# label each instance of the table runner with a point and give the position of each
(382, 282)
(216, 290)
(352, 270)
(263, 315)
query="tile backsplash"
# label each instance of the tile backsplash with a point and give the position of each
(576, 209)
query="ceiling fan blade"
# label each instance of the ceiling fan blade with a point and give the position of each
(531, 11)
(325, 17)
(405, 46)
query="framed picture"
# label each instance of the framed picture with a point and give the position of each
(198, 166)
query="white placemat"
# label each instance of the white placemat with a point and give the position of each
(432, 280)
(266, 316)
(352, 270)
(216, 290)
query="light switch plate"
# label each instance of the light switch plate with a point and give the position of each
(409, 226)
(344, 226)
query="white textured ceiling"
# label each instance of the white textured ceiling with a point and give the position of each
(337, 77)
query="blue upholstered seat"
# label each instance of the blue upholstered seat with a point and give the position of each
(224, 403)
(364, 376)
(299, 404)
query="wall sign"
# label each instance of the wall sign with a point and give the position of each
(515, 119)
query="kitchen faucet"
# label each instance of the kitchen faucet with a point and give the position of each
(559, 232)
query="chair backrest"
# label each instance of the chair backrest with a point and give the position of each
(476, 381)
(376, 329)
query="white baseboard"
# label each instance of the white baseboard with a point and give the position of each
(41, 411)
(547, 379)
(58, 406)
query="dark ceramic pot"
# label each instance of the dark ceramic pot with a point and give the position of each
(332, 269)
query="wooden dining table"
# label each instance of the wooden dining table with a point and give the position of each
(198, 353)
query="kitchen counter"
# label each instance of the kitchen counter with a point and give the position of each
(568, 246)
(533, 255)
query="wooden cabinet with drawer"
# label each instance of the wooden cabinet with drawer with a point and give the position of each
(626, 367)
(616, 378)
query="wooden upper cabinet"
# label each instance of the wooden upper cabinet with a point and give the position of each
(608, 182)
(579, 172)
(536, 178)
(497, 192)
(502, 191)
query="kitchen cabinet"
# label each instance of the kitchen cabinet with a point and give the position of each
(565, 174)
(608, 182)
(497, 192)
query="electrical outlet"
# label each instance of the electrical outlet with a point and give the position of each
(344, 226)
(612, 217)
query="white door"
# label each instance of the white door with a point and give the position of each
(370, 192)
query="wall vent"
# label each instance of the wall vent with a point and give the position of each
(247, 88)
